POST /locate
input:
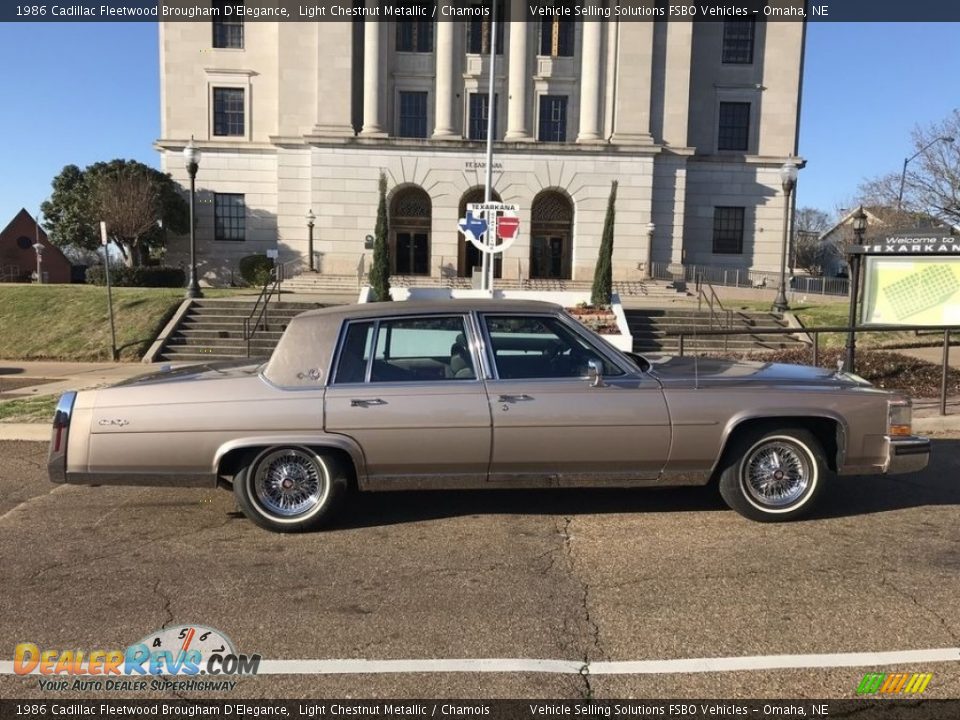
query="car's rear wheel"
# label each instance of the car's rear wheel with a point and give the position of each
(773, 476)
(291, 489)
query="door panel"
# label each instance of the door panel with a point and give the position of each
(550, 421)
(429, 429)
(408, 392)
(566, 426)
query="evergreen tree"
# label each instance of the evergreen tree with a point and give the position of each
(603, 275)
(380, 268)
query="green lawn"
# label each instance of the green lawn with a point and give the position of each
(836, 314)
(29, 410)
(70, 322)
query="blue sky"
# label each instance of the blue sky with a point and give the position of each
(82, 92)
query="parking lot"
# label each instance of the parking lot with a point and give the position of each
(607, 575)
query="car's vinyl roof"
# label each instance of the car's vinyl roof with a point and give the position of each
(417, 307)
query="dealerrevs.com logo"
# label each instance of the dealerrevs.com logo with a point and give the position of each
(191, 650)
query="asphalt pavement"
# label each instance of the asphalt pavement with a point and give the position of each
(592, 576)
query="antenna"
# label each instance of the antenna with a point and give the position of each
(696, 356)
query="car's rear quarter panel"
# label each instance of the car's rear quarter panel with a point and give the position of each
(181, 425)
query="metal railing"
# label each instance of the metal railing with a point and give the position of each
(270, 287)
(739, 277)
(712, 300)
(815, 332)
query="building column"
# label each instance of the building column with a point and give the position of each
(590, 83)
(518, 127)
(372, 78)
(634, 81)
(443, 92)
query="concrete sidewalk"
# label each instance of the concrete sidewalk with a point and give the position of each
(66, 376)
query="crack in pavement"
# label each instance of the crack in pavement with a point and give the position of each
(593, 647)
(885, 580)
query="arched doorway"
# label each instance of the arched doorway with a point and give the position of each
(468, 257)
(410, 232)
(551, 236)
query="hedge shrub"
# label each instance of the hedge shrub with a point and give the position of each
(144, 276)
(255, 269)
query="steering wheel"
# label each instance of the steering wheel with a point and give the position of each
(552, 353)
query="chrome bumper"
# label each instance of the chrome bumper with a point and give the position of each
(907, 454)
(57, 458)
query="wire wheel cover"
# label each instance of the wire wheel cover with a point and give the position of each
(290, 483)
(776, 474)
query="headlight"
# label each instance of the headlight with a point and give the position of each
(899, 418)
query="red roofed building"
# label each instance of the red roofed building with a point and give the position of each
(18, 259)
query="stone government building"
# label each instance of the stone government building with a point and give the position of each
(693, 119)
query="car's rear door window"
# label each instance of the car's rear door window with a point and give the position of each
(355, 353)
(422, 349)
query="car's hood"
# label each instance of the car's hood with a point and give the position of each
(673, 370)
(191, 373)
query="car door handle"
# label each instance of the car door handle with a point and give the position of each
(360, 402)
(515, 398)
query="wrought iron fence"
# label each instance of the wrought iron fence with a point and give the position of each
(738, 277)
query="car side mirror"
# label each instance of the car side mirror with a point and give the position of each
(595, 372)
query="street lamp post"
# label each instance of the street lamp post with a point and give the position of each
(855, 252)
(906, 161)
(192, 157)
(38, 249)
(788, 181)
(311, 219)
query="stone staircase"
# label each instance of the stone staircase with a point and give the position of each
(213, 330)
(656, 330)
(315, 283)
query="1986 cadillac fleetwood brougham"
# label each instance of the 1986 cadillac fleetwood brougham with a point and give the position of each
(479, 394)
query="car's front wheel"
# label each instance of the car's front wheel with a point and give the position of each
(774, 476)
(290, 489)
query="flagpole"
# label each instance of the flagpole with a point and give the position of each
(491, 235)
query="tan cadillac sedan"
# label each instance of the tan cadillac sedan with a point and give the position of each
(479, 394)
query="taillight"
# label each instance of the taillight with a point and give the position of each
(899, 419)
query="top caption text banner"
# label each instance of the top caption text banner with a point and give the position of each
(465, 11)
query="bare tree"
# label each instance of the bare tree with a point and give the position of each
(809, 253)
(809, 224)
(129, 202)
(931, 187)
(811, 220)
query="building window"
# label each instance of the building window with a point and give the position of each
(728, 230)
(229, 217)
(414, 36)
(553, 118)
(228, 112)
(413, 115)
(479, 35)
(556, 37)
(479, 107)
(738, 41)
(733, 132)
(227, 29)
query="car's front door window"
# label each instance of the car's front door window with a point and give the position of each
(422, 350)
(540, 347)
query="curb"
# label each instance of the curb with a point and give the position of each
(30, 432)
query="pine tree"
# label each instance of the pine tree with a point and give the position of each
(380, 268)
(603, 275)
